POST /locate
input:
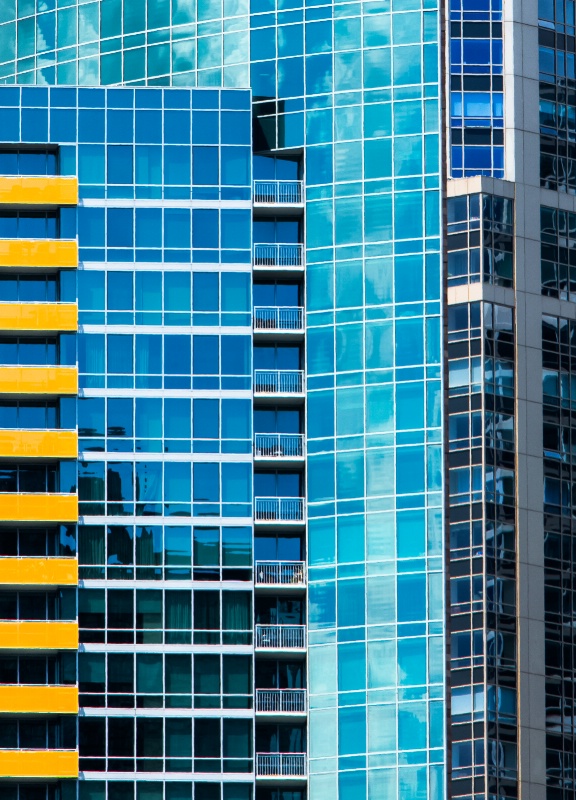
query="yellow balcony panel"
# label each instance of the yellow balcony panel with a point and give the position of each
(38, 507)
(20, 699)
(38, 444)
(39, 253)
(24, 190)
(39, 380)
(38, 317)
(38, 572)
(38, 763)
(19, 635)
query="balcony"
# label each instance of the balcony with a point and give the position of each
(34, 699)
(39, 253)
(42, 190)
(25, 635)
(39, 764)
(25, 571)
(279, 573)
(278, 319)
(278, 192)
(281, 765)
(280, 637)
(278, 381)
(38, 508)
(278, 445)
(38, 317)
(16, 443)
(278, 509)
(280, 701)
(279, 256)
(39, 380)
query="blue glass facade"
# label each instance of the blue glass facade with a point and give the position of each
(306, 306)
(476, 88)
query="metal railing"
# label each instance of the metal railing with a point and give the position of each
(281, 701)
(278, 381)
(279, 509)
(280, 573)
(279, 445)
(278, 255)
(277, 191)
(278, 318)
(281, 637)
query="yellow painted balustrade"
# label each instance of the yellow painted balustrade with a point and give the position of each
(23, 699)
(38, 507)
(38, 763)
(38, 443)
(49, 571)
(39, 380)
(43, 190)
(25, 635)
(39, 253)
(38, 317)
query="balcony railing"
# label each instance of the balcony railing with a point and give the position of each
(280, 573)
(279, 445)
(278, 255)
(281, 701)
(279, 509)
(278, 381)
(278, 318)
(277, 191)
(281, 637)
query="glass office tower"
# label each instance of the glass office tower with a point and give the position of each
(286, 412)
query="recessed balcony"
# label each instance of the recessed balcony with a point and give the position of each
(280, 574)
(278, 192)
(279, 256)
(275, 446)
(280, 637)
(280, 701)
(278, 381)
(281, 765)
(279, 509)
(278, 319)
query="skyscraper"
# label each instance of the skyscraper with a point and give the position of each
(286, 399)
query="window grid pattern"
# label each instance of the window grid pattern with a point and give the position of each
(122, 41)
(216, 231)
(476, 89)
(557, 63)
(154, 744)
(558, 253)
(165, 616)
(172, 552)
(482, 551)
(374, 465)
(480, 240)
(165, 298)
(148, 789)
(170, 680)
(164, 425)
(558, 381)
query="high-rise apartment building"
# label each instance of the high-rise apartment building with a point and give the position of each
(287, 400)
